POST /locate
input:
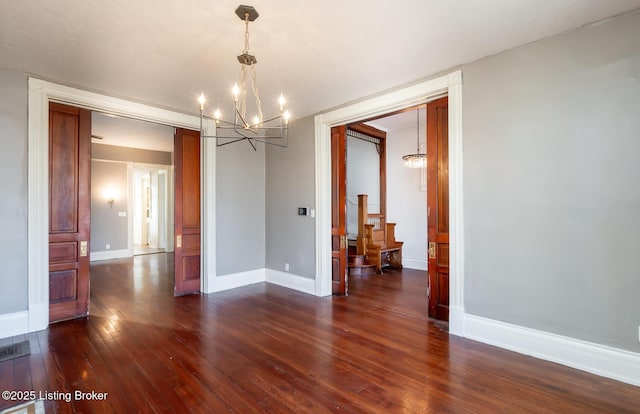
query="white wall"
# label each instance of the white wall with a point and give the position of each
(363, 177)
(406, 195)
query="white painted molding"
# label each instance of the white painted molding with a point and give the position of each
(40, 94)
(38, 205)
(450, 85)
(236, 280)
(586, 356)
(291, 281)
(130, 202)
(323, 207)
(208, 183)
(414, 263)
(456, 203)
(12, 324)
(110, 254)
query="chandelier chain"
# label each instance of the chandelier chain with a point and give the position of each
(254, 84)
(246, 33)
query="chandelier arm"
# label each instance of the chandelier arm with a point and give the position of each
(241, 119)
(217, 120)
(284, 145)
(229, 142)
(272, 119)
(252, 144)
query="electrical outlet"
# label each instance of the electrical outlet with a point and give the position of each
(108, 246)
(286, 267)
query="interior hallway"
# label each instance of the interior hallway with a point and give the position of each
(264, 348)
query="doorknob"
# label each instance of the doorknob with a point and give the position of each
(343, 242)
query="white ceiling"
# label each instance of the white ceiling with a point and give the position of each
(320, 54)
(132, 133)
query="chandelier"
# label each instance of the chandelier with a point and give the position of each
(271, 131)
(416, 160)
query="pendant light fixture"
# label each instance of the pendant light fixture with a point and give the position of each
(416, 160)
(256, 129)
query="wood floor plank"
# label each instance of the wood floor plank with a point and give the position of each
(265, 348)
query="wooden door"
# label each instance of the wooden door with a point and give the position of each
(339, 283)
(438, 207)
(187, 211)
(69, 211)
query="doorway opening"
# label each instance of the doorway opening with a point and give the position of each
(449, 85)
(41, 95)
(150, 205)
(132, 164)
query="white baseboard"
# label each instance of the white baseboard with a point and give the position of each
(38, 316)
(414, 263)
(109, 254)
(291, 281)
(12, 324)
(594, 358)
(456, 320)
(235, 280)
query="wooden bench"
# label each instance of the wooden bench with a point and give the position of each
(376, 238)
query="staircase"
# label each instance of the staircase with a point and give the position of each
(359, 265)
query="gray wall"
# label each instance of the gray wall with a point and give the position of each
(552, 184)
(13, 203)
(106, 226)
(290, 183)
(240, 206)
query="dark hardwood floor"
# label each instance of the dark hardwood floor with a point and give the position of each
(264, 348)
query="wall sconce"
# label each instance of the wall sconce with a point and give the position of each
(110, 194)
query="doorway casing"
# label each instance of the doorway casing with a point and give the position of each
(40, 94)
(450, 85)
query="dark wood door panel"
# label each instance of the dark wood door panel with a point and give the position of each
(69, 211)
(339, 210)
(64, 156)
(187, 218)
(438, 207)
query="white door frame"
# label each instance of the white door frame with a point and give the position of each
(40, 94)
(450, 85)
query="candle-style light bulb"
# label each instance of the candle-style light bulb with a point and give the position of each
(201, 100)
(281, 101)
(235, 91)
(286, 117)
(217, 115)
(256, 120)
